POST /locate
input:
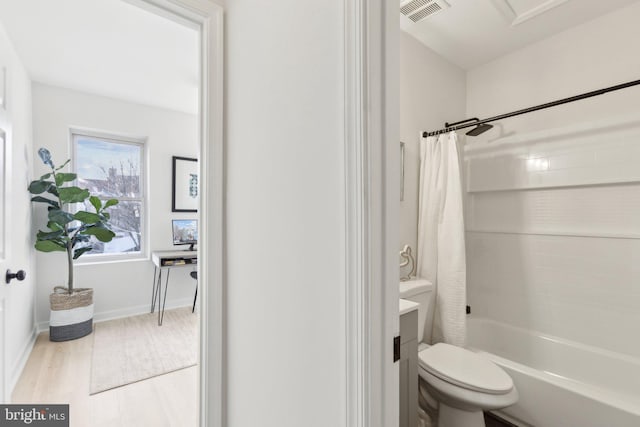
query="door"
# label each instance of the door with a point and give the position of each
(10, 248)
(5, 182)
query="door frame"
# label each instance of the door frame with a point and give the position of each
(208, 17)
(372, 198)
(5, 182)
(371, 208)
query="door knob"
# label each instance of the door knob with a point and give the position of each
(20, 275)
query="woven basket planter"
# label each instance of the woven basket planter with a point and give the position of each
(71, 314)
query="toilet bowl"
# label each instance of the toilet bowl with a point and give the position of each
(464, 384)
(457, 383)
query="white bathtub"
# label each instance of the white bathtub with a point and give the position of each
(561, 383)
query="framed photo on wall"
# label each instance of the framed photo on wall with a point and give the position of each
(185, 187)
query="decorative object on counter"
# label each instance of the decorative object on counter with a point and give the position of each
(70, 231)
(406, 254)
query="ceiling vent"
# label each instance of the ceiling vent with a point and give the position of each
(417, 10)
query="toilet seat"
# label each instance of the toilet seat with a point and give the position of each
(464, 368)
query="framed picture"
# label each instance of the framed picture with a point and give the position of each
(185, 187)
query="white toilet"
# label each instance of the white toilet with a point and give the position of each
(457, 383)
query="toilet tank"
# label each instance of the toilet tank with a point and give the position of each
(421, 292)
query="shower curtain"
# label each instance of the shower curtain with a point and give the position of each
(441, 250)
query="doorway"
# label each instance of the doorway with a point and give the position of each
(206, 21)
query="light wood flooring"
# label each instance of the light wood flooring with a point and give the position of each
(60, 373)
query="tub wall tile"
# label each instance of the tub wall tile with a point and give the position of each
(586, 289)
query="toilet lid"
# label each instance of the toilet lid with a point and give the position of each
(465, 368)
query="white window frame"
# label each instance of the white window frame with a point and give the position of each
(141, 142)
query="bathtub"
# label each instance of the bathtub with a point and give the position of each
(561, 383)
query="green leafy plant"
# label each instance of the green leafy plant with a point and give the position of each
(68, 228)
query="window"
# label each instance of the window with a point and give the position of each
(113, 167)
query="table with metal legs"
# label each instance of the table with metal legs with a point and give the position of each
(165, 260)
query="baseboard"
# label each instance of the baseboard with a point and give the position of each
(22, 360)
(126, 312)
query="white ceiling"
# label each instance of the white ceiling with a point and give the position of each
(106, 47)
(115, 49)
(473, 32)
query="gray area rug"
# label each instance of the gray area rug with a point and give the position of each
(135, 348)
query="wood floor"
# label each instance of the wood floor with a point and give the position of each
(60, 373)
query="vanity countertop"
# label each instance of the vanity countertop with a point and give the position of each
(406, 306)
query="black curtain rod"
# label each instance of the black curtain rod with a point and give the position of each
(449, 127)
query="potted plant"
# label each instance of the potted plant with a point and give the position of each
(70, 231)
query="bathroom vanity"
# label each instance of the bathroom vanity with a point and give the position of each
(408, 363)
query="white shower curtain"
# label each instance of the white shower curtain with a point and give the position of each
(441, 250)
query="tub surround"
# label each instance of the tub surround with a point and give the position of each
(553, 237)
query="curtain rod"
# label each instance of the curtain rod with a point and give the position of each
(476, 122)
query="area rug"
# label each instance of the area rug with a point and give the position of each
(135, 348)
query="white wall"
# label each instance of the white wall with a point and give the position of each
(557, 249)
(432, 92)
(285, 214)
(121, 288)
(16, 123)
